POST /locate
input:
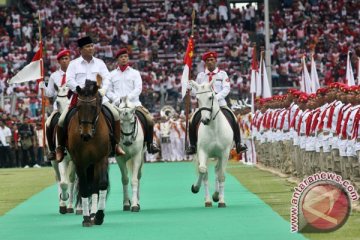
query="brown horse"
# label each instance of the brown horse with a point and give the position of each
(89, 146)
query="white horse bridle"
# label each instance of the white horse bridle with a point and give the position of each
(134, 131)
(212, 104)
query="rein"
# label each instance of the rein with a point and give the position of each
(134, 131)
(211, 108)
(95, 120)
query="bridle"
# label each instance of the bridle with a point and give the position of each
(95, 119)
(134, 131)
(212, 104)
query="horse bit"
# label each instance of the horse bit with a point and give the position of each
(212, 104)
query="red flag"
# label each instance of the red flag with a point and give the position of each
(188, 63)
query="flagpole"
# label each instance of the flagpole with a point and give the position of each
(42, 92)
(187, 97)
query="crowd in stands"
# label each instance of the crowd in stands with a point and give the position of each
(156, 34)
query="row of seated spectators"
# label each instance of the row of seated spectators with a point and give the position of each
(156, 33)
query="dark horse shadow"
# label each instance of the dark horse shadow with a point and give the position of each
(89, 146)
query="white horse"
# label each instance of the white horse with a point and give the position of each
(215, 138)
(64, 171)
(132, 142)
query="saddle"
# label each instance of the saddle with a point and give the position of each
(107, 113)
(227, 116)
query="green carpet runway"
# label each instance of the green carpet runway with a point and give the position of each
(168, 211)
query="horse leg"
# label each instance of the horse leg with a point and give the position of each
(202, 169)
(71, 177)
(63, 180)
(125, 183)
(62, 204)
(220, 173)
(94, 205)
(103, 187)
(208, 202)
(135, 206)
(85, 193)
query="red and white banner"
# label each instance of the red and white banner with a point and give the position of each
(31, 72)
(187, 68)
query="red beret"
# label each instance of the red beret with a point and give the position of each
(208, 55)
(321, 91)
(121, 52)
(303, 98)
(62, 53)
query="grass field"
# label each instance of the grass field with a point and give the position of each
(18, 185)
(277, 192)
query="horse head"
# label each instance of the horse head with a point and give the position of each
(208, 105)
(62, 101)
(128, 121)
(88, 109)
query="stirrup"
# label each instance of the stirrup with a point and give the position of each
(152, 148)
(191, 150)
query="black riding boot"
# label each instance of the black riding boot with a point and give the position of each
(236, 130)
(51, 143)
(61, 137)
(151, 146)
(193, 134)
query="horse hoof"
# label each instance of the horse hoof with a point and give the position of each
(78, 212)
(126, 208)
(135, 208)
(194, 189)
(222, 205)
(63, 210)
(215, 196)
(70, 210)
(208, 204)
(86, 222)
(99, 217)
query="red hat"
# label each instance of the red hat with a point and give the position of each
(64, 52)
(303, 98)
(321, 91)
(208, 55)
(121, 52)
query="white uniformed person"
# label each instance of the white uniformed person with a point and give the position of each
(87, 67)
(57, 79)
(126, 81)
(222, 88)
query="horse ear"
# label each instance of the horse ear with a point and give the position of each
(56, 87)
(98, 80)
(194, 84)
(78, 89)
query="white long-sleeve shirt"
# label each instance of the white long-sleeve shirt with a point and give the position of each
(127, 83)
(55, 79)
(80, 70)
(221, 85)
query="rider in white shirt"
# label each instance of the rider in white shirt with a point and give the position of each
(57, 79)
(221, 87)
(126, 81)
(87, 67)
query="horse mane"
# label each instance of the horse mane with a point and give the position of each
(89, 89)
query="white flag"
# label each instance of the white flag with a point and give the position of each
(266, 87)
(349, 72)
(305, 82)
(315, 85)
